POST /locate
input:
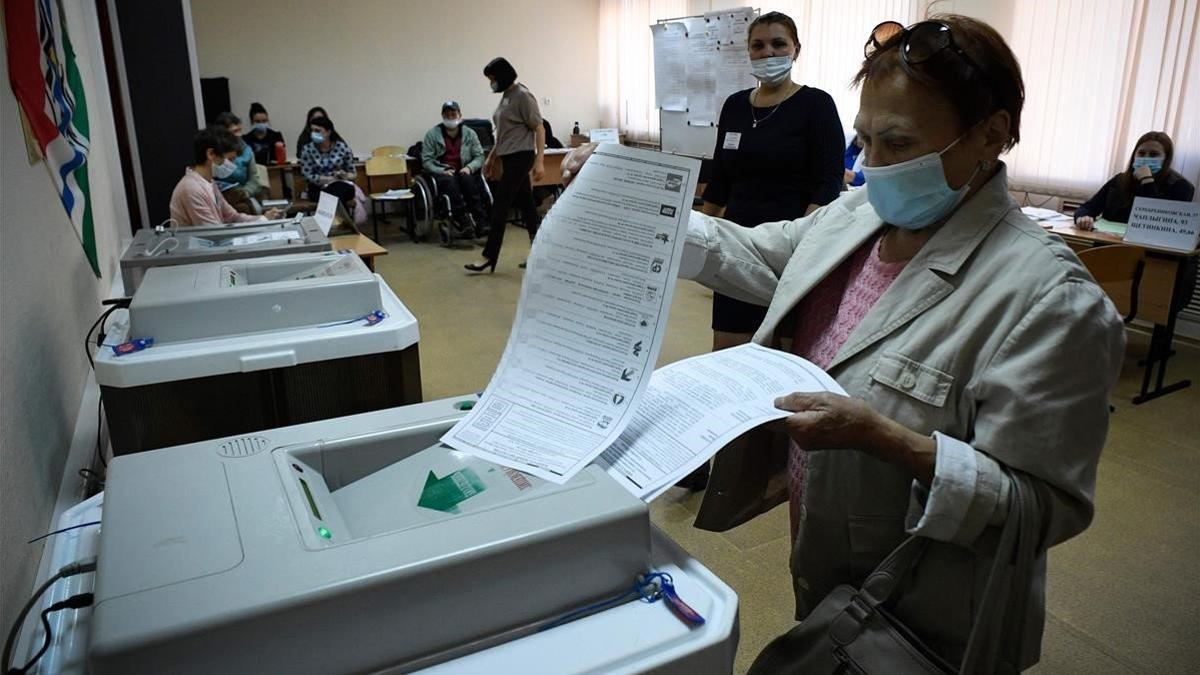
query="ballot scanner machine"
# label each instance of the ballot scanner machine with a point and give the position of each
(360, 544)
(161, 247)
(227, 347)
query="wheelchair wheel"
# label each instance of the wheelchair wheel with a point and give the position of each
(423, 207)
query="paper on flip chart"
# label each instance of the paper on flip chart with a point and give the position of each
(695, 407)
(591, 316)
(670, 65)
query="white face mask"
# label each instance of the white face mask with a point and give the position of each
(451, 124)
(914, 194)
(223, 170)
(772, 70)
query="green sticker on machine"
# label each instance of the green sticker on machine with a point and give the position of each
(445, 494)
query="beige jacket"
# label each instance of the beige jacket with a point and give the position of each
(995, 339)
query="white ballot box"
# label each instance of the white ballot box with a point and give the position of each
(164, 247)
(360, 544)
(229, 347)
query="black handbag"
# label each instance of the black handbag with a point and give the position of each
(852, 630)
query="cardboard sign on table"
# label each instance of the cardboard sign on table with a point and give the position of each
(1164, 223)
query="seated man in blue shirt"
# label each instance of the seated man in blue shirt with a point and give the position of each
(452, 154)
(853, 175)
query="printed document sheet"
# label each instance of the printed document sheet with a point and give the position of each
(695, 407)
(591, 316)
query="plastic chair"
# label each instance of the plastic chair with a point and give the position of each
(380, 166)
(388, 151)
(1118, 270)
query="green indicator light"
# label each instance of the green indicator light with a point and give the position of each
(465, 405)
(324, 532)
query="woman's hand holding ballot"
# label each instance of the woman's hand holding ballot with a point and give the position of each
(824, 421)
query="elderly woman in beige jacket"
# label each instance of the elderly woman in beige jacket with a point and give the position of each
(970, 341)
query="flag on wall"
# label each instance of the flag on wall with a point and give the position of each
(46, 82)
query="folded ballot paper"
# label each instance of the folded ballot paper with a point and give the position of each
(576, 381)
(697, 406)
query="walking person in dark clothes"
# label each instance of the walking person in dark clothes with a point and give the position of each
(516, 159)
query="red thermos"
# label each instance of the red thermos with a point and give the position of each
(280, 153)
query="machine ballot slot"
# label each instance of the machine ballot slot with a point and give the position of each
(350, 489)
(243, 274)
(252, 239)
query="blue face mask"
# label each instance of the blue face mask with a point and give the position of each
(913, 194)
(317, 138)
(1152, 163)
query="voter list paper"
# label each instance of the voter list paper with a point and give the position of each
(697, 406)
(590, 319)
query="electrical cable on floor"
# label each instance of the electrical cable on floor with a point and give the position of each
(78, 601)
(81, 567)
(102, 323)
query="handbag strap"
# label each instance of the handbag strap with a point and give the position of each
(883, 581)
(1013, 561)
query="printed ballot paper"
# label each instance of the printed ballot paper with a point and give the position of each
(695, 407)
(590, 319)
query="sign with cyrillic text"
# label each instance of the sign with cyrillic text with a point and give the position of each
(1164, 223)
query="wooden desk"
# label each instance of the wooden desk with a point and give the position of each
(1163, 291)
(278, 173)
(362, 245)
(553, 163)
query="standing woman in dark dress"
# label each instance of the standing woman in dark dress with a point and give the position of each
(778, 156)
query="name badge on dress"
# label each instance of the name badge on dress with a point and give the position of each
(732, 140)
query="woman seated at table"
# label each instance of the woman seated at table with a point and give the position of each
(196, 199)
(262, 139)
(305, 135)
(1149, 174)
(241, 187)
(328, 163)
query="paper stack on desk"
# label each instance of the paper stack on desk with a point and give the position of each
(1046, 215)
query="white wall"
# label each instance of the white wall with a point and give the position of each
(383, 68)
(48, 298)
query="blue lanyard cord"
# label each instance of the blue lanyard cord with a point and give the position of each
(649, 588)
(138, 344)
(371, 319)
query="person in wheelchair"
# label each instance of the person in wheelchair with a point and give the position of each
(452, 156)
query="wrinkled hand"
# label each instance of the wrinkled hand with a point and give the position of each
(274, 214)
(465, 170)
(830, 422)
(1085, 223)
(1142, 173)
(575, 160)
(447, 172)
(539, 171)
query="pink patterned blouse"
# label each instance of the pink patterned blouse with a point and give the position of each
(824, 320)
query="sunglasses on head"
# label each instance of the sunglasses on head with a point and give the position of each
(921, 42)
(880, 34)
